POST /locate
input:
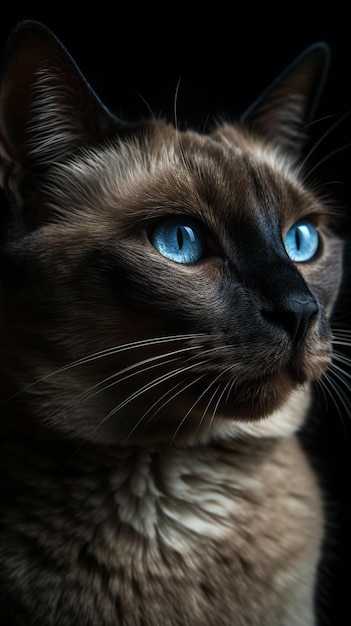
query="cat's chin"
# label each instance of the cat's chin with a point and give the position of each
(282, 422)
(254, 400)
(204, 409)
(274, 408)
(247, 406)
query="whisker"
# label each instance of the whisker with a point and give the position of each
(342, 359)
(165, 403)
(335, 368)
(190, 410)
(168, 394)
(117, 377)
(184, 388)
(342, 341)
(176, 125)
(85, 396)
(342, 336)
(146, 103)
(175, 112)
(141, 419)
(339, 373)
(208, 406)
(226, 385)
(231, 388)
(105, 353)
(213, 395)
(204, 128)
(336, 393)
(327, 157)
(145, 388)
(320, 386)
(317, 144)
(162, 359)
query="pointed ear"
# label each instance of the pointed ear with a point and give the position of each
(47, 109)
(288, 105)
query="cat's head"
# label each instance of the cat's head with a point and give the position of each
(158, 284)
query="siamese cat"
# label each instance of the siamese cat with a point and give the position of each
(166, 299)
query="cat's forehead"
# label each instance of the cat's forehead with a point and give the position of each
(162, 170)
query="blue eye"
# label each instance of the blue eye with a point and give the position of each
(179, 239)
(302, 241)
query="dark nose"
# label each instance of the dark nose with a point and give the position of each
(294, 315)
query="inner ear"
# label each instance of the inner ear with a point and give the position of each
(47, 108)
(288, 105)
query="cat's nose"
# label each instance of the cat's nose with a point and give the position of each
(294, 315)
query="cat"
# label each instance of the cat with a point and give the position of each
(166, 298)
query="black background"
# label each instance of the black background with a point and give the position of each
(224, 54)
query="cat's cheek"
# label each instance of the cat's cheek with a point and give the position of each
(199, 289)
(281, 422)
(325, 274)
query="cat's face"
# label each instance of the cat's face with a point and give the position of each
(165, 282)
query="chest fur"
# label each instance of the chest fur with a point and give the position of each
(138, 533)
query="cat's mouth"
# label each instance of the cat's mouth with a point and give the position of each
(258, 397)
(177, 390)
(184, 403)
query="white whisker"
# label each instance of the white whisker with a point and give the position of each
(317, 144)
(342, 359)
(231, 388)
(208, 406)
(321, 386)
(213, 395)
(214, 412)
(190, 410)
(156, 361)
(106, 353)
(342, 342)
(184, 388)
(337, 395)
(144, 389)
(170, 399)
(340, 374)
(175, 112)
(327, 157)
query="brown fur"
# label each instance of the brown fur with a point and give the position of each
(151, 473)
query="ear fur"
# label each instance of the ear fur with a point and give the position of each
(288, 105)
(47, 108)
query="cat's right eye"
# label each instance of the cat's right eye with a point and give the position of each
(180, 239)
(302, 241)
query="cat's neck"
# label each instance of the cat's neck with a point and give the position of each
(175, 497)
(179, 487)
(151, 489)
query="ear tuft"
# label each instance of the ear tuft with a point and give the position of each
(47, 109)
(283, 111)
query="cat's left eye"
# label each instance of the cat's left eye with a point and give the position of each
(180, 239)
(302, 241)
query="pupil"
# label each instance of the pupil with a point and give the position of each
(180, 238)
(298, 239)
